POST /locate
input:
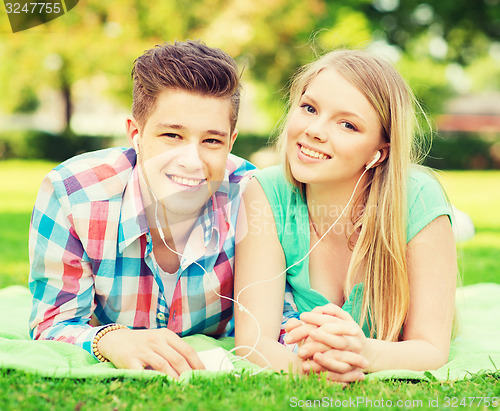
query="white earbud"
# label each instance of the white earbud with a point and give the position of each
(376, 158)
(135, 142)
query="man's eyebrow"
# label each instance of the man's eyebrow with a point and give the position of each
(162, 126)
(171, 126)
(217, 133)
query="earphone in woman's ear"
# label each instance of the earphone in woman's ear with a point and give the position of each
(376, 158)
(135, 142)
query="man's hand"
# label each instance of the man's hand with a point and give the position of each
(159, 349)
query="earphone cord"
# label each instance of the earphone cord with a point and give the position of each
(312, 248)
(293, 265)
(241, 307)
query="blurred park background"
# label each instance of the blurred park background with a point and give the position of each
(65, 88)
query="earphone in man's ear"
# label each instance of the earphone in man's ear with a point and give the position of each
(376, 158)
(135, 142)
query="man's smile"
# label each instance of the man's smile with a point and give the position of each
(185, 181)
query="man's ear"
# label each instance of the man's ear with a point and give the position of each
(233, 139)
(132, 128)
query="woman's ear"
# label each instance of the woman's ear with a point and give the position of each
(385, 149)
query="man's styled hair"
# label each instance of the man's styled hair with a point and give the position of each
(190, 66)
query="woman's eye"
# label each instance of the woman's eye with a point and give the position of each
(348, 125)
(308, 108)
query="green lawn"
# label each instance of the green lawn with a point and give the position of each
(475, 192)
(478, 194)
(18, 190)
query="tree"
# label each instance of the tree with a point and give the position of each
(467, 27)
(94, 38)
(271, 38)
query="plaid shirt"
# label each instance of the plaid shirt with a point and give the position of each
(289, 311)
(91, 253)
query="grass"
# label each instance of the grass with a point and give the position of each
(266, 392)
(476, 193)
(18, 190)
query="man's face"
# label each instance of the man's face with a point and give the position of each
(183, 149)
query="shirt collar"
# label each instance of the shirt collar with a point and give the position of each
(206, 234)
(211, 226)
(133, 221)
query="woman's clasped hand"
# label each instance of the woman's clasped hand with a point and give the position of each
(330, 341)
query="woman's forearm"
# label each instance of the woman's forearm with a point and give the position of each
(275, 355)
(415, 355)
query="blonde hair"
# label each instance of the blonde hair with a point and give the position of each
(379, 254)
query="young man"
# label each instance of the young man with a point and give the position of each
(132, 249)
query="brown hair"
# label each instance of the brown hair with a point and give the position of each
(190, 66)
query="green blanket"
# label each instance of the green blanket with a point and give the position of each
(475, 350)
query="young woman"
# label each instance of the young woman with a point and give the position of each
(360, 236)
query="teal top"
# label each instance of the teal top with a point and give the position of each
(426, 201)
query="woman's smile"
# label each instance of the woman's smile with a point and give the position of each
(309, 154)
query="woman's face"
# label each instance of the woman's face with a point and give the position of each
(333, 132)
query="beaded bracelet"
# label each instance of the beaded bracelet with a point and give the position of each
(101, 334)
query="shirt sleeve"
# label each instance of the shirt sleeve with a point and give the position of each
(61, 280)
(276, 189)
(240, 172)
(289, 311)
(426, 201)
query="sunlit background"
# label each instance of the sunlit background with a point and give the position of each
(65, 85)
(65, 88)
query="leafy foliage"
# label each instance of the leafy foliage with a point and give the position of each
(271, 38)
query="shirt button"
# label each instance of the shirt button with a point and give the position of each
(161, 316)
